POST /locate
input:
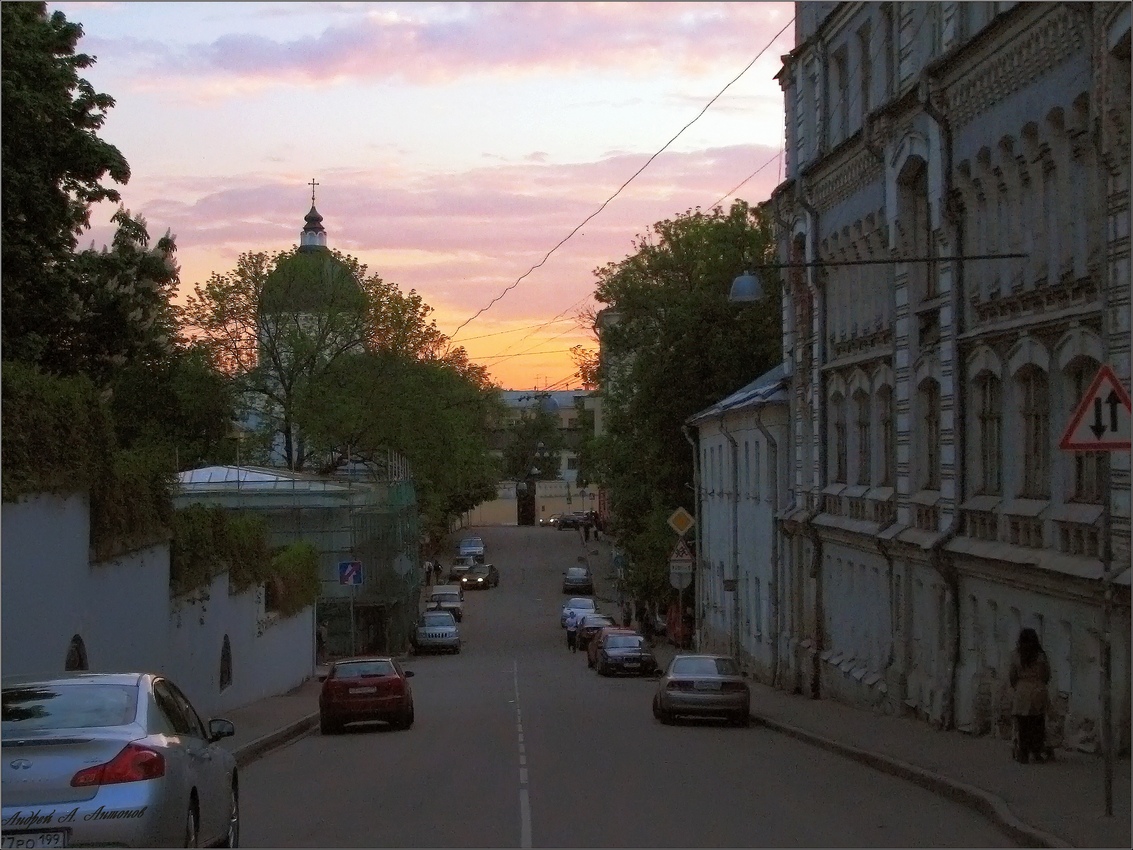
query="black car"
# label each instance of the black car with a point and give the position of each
(590, 625)
(480, 577)
(625, 653)
(578, 519)
(578, 580)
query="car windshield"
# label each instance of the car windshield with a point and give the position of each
(445, 597)
(358, 669)
(576, 572)
(438, 620)
(67, 706)
(705, 667)
(623, 641)
(581, 603)
(478, 571)
(597, 621)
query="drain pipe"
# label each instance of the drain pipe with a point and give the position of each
(774, 590)
(943, 564)
(735, 537)
(696, 516)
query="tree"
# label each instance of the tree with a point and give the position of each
(533, 444)
(52, 163)
(586, 362)
(678, 346)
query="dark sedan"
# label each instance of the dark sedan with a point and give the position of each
(622, 651)
(361, 689)
(590, 625)
(481, 577)
(578, 580)
(577, 519)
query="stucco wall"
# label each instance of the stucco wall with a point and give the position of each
(122, 611)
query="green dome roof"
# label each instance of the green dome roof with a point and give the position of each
(312, 280)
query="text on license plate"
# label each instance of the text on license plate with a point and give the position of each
(363, 690)
(633, 664)
(51, 838)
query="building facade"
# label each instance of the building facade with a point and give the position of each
(934, 515)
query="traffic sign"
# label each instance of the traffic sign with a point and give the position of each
(681, 521)
(349, 572)
(1101, 421)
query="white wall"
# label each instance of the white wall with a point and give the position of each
(123, 612)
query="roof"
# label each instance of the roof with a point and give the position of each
(550, 400)
(249, 478)
(310, 281)
(768, 388)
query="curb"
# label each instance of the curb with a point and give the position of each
(266, 743)
(986, 803)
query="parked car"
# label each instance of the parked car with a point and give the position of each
(436, 631)
(365, 688)
(447, 597)
(619, 650)
(590, 625)
(578, 580)
(481, 577)
(551, 521)
(124, 757)
(462, 565)
(471, 546)
(581, 606)
(575, 519)
(703, 686)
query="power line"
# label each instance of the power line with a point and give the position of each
(517, 330)
(732, 191)
(634, 176)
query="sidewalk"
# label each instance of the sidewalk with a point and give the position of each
(1057, 804)
(273, 721)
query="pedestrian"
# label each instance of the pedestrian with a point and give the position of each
(572, 630)
(1029, 675)
(647, 625)
(627, 616)
(321, 635)
(437, 570)
(428, 572)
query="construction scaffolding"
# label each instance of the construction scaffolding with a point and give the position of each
(371, 608)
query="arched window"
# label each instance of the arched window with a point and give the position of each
(838, 420)
(1086, 481)
(1034, 416)
(887, 422)
(865, 438)
(225, 664)
(989, 412)
(76, 655)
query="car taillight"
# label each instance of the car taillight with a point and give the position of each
(680, 686)
(134, 763)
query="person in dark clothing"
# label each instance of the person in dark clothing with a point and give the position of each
(647, 625)
(572, 631)
(1029, 675)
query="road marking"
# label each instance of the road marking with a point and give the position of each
(524, 795)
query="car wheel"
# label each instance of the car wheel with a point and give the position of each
(326, 727)
(603, 669)
(232, 837)
(192, 821)
(408, 722)
(743, 719)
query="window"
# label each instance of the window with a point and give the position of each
(755, 472)
(888, 424)
(76, 655)
(989, 410)
(861, 401)
(866, 68)
(838, 412)
(1034, 415)
(1087, 483)
(747, 469)
(170, 712)
(930, 411)
(841, 71)
(225, 664)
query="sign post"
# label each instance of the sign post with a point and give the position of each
(350, 573)
(681, 563)
(1101, 423)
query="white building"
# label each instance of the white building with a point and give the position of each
(934, 515)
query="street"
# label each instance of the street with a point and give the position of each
(517, 743)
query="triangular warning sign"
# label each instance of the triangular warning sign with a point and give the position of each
(682, 555)
(1101, 421)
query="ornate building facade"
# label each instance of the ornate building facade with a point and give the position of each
(933, 514)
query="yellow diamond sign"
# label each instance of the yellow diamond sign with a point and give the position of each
(681, 521)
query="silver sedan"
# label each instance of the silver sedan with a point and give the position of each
(703, 686)
(101, 759)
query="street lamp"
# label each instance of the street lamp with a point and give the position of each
(745, 288)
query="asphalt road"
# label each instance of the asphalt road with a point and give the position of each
(517, 744)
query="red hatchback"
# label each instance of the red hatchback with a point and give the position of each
(368, 688)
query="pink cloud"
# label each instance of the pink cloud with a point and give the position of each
(429, 44)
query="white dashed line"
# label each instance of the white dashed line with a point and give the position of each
(524, 795)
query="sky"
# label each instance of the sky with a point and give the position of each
(454, 144)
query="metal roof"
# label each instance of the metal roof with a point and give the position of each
(255, 478)
(768, 388)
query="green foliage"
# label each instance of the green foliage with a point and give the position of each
(248, 553)
(677, 347)
(296, 569)
(132, 502)
(534, 441)
(52, 164)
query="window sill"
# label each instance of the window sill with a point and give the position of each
(1029, 508)
(981, 502)
(928, 498)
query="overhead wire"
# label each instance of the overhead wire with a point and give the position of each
(619, 190)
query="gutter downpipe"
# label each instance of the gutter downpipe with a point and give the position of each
(696, 516)
(942, 563)
(736, 643)
(776, 627)
(808, 520)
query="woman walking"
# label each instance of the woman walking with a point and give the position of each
(1029, 675)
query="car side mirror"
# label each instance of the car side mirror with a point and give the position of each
(220, 728)
(408, 674)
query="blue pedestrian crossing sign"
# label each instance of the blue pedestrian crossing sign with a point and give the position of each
(349, 572)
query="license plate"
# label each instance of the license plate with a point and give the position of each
(51, 838)
(363, 690)
(632, 664)
(708, 686)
